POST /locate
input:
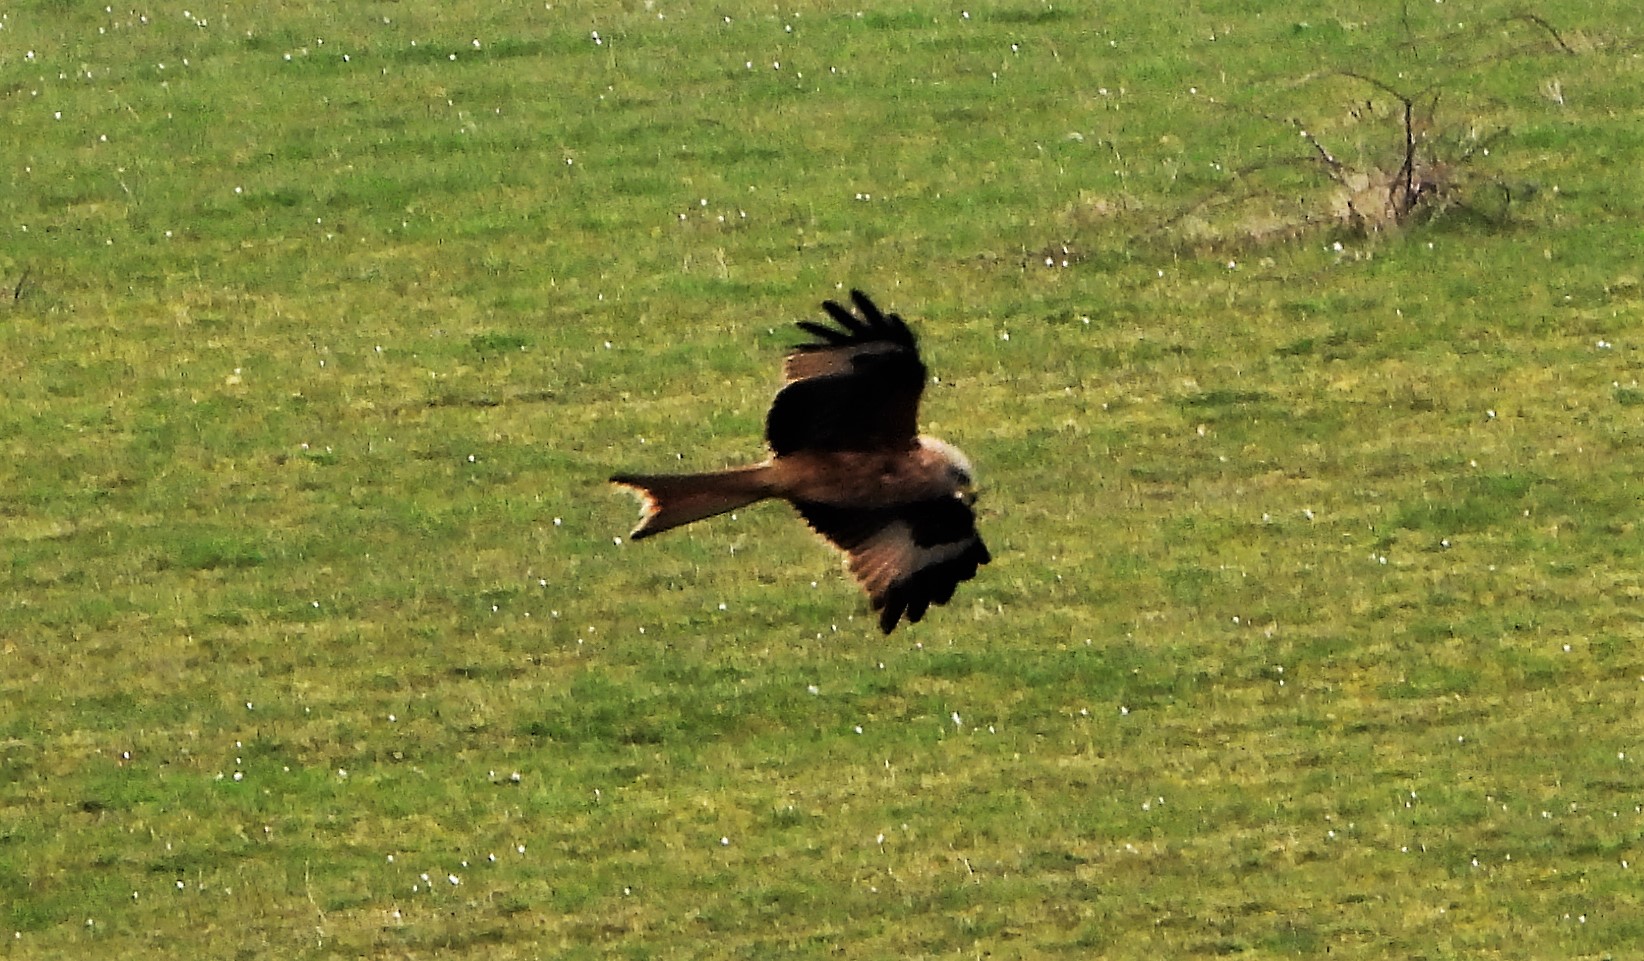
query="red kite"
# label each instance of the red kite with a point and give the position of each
(846, 453)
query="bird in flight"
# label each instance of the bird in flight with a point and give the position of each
(847, 454)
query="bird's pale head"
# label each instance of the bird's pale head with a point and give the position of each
(959, 472)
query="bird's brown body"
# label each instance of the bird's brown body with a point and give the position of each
(845, 455)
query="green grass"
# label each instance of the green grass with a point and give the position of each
(1313, 627)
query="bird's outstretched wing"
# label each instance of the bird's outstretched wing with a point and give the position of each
(855, 387)
(906, 557)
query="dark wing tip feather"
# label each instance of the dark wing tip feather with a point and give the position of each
(842, 314)
(832, 337)
(866, 325)
(870, 310)
(935, 584)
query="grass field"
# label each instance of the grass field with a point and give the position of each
(1314, 625)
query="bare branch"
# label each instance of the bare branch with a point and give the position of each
(1323, 152)
(1544, 25)
(1325, 155)
(1381, 85)
(1407, 173)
